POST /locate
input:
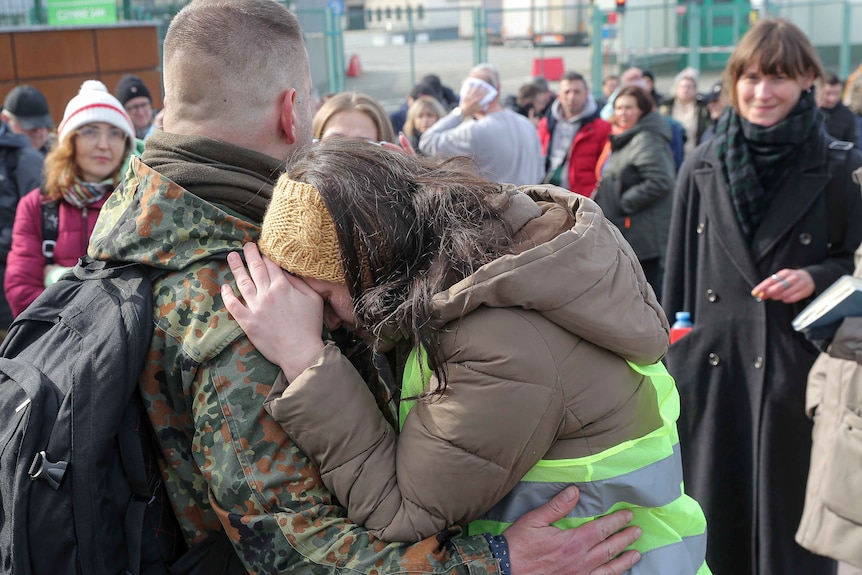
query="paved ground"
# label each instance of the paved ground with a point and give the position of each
(386, 69)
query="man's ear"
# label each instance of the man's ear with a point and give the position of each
(286, 120)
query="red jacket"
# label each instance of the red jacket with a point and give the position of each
(584, 152)
(25, 266)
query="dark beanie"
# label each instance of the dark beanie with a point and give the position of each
(130, 86)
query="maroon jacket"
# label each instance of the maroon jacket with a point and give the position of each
(584, 152)
(25, 266)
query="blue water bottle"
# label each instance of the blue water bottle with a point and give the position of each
(680, 327)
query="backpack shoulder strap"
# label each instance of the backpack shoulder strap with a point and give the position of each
(12, 167)
(835, 194)
(50, 229)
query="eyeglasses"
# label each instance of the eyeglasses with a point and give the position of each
(141, 106)
(94, 134)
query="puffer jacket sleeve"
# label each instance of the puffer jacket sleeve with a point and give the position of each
(257, 484)
(25, 264)
(456, 457)
(652, 158)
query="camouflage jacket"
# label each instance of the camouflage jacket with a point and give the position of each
(228, 463)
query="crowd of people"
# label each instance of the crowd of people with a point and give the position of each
(445, 314)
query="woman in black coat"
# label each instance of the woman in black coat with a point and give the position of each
(636, 182)
(758, 229)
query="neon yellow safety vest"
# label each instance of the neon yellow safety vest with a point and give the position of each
(644, 475)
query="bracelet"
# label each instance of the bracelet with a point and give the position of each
(500, 551)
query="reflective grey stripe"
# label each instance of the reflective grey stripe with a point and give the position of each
(683, 558)
(655, 485)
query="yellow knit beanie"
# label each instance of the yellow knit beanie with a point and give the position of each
(298, 233)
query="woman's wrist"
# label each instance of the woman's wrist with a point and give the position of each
(297, 360)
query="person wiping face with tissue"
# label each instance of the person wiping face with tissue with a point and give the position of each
(474, 88)
(503, 144)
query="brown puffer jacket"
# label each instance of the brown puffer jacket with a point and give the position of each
(535, 345)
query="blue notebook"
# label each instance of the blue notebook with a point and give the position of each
(842, 299)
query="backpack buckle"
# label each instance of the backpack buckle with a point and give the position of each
(840, 145)
(50, 471)
(154, 482)
(48, 248)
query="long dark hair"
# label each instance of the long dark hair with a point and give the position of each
(408, 228)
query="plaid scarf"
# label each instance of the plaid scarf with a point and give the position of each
(755, 160)
(81, 194)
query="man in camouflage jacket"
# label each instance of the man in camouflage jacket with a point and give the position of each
(198, 192)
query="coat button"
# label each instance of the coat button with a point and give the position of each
(711, 296)
(700, 227)
(804, 238)
(758, 362)
(714, 359)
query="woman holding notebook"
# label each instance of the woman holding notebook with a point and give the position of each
(765, 217)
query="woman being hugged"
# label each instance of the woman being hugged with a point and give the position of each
(521, 329)
(765, 218)
(93, 141)
(636, 184)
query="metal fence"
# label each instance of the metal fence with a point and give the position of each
(396, 45)
(834, 27)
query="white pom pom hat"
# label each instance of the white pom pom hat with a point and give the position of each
(94, 104)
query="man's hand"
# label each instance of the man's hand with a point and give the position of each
(537, 548)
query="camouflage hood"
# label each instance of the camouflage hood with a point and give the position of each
(154, 221)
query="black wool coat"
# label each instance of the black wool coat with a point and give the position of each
(741, 371)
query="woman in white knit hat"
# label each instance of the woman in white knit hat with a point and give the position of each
(53, 223)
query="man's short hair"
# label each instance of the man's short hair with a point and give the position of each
(542, 83)
(572, 76)
(831, 79)
(488, 72)
(527, 92)
(243, 17)
(422, 89)
(633, 74)
(241, 41)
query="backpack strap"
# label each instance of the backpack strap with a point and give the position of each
(836, 195)
(11, 161)
(145, 483)
(50, 229)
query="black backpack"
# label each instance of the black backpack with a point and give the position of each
(79, 483)
(80, 487)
